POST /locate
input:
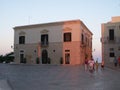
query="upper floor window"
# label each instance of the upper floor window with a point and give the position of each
(111, 34)
(44, 39)
(90, 44)
(82, 38)
(67, 37)
(21, 39)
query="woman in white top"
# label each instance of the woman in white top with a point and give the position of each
(91, 65)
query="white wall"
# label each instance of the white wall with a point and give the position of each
(33, 35)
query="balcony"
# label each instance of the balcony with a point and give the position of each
(105, 40)
(83, 44)
(44, 40)
(44, 44)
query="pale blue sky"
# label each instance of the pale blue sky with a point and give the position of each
(22, 12)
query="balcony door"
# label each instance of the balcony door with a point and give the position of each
(111, 34)
(44, 40)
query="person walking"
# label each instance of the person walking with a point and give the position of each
(91, 65)
(119, 60)
(96, 64)
(86, 64)
(115, 61)
(102, 65)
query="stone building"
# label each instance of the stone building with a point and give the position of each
(65, 42)
(110, 40)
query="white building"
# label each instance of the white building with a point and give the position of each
(110, 40)
(66, 42)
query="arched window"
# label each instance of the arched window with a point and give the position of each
(22, 37)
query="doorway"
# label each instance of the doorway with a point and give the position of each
(67, 58)
(44, 57)
(21, 58)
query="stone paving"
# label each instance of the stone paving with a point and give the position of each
(4, 85)
(56, 77)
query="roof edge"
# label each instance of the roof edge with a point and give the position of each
(44, 24)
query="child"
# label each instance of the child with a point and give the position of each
(97, 65)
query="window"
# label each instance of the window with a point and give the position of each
(82, 38)
(90, 44)
(21, 39)
(111, 34)
(119, 48)
(67, 37)
(21, 51)
(44, 39)
(67, 50)
(112, 54)
(86, 40)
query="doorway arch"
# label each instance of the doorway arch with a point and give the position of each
(44, 57)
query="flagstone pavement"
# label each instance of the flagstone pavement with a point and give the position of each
(56, 77)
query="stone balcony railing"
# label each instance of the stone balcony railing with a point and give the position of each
(105, 40)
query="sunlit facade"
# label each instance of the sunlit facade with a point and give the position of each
(66, 42)
(110, 40)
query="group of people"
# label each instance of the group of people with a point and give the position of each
(116, 61)
(91, 65)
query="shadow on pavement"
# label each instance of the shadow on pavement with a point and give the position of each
(5, 85)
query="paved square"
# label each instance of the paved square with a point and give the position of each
(58, 77)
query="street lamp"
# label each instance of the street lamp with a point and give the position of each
(12, 47)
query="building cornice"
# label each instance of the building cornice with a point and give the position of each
(86, 27)
(53, 24)
(47, 24)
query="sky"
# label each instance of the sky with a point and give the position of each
(24, 12)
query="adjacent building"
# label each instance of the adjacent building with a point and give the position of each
(110, 40)
(65, 42)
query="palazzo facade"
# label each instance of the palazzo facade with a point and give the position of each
(65, 42)
(110, 40)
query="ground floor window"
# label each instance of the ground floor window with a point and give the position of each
(111, 54)
(67, 58)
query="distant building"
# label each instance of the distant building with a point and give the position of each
(110, 40)
(66, 42)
